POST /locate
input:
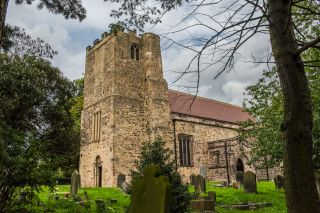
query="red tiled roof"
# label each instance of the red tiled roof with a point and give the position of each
(206, 108)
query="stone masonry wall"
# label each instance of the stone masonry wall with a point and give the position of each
(204, 131)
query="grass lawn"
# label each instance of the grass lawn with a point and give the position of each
(69, 206)
(225, 196)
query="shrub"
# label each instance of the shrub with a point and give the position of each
(156, 153)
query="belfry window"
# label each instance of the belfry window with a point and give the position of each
(185, 150)
(135, 52)
(96, 127)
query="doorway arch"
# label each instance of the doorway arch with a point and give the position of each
(98, 171)
(240, 165)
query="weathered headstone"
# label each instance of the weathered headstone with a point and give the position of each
(203, 171)
(200, 184)
(317, 175)
(85, 195)
(75, 183)
(121, 178)
(212, 196)
(125, 186)
(250, 182)
(192, 179)
(279, 181)
(204, 204)
(239, 177)
(151, 193)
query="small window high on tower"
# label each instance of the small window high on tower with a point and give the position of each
(135, 52)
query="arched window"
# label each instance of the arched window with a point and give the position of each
(135, 53)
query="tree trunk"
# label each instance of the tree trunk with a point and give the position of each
(301, 194)
(3, 13)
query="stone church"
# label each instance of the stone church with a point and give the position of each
(127, 102)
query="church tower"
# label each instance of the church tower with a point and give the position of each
(125, 105)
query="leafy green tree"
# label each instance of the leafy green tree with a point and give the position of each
(35, 125)
(68, 8)
(156, 153)
(264, 102)
(17, 42)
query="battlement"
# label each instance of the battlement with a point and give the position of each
(105, 37)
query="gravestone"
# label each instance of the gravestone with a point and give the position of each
(250, 182)
(279, 181)
(317, 175)
(212, 196)
(200, 184)
(192, 179)
(121, 178)
(151, 193)
(203, 171)
(239, 177)
(85, 195)
(204, 204)
(75, 183)
(125, 186)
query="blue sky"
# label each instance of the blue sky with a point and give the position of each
(71, 37)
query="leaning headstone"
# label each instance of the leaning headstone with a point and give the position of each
(250, 182)
(121, 178)
(317, 175)
(279, 181)
(200, 184)
(151, 193)
(239, 177)
(75, 183)
(203, 171)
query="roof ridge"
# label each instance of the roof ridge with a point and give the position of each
(209, 99)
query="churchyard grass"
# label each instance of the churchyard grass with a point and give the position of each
(225, 196)
(68, 205)
(266, 193)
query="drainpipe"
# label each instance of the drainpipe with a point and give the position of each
(175, 143)
(227, 162)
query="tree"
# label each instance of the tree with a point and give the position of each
(241, 20)
(156, 153)
(16, 41)
(35, 124)
(68, 8)
(265, 103)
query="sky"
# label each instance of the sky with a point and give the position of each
(71, 37)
